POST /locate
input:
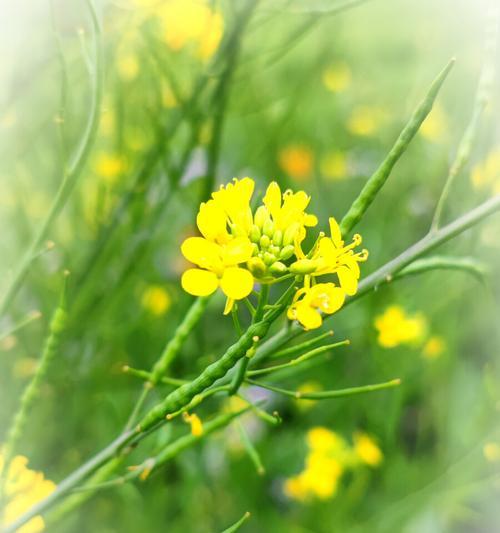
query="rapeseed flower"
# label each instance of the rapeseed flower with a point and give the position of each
(156, 299)
(367, 450)
(296, 161)
(23, 488)
(395, 327)
(337, 78)
(433, 347)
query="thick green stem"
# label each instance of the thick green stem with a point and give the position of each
(378, 179)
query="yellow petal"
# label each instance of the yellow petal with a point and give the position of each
(347, 280)
(352, 264)
(239, 250)
(201, 252)
(272, 198)
(310, 220)
(212, 222)
(229, 306)
(199, 282)
(308, 316)
(327, 297)
(236, 283)
(335, 232)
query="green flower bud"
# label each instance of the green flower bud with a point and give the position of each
(278, 268)
(265, 241)
(238, 231)
(275, 250)
(290, 233)
(254, 233)
(278, 237)
(268, 228)
(269, 258)
(303, 266)
(261, 215)
(256, 267)
(287, 252)
(255, 249)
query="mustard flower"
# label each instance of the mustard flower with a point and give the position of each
(395, 327)
(23, 489)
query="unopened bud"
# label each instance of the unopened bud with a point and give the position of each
(269, 258)
(256, 267)
(255, 249)
(278, 268)
(261, 215)
(278, 237)
(254, 233)
(265, 241)
(287, 252)
(303, 266)
(289, 236)
(275, 250)
(268, 228)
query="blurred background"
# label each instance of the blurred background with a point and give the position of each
(312, 96)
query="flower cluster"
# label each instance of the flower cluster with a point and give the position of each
(240, 247)
(22, 489)
(329, 457)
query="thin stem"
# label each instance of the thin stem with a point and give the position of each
(74, 171)
(327, 395)
(31, 317)
(238, 524)
(147, 376)
(250, 449)
(300, 348)
(484, 88)
(236, 320)
(263, 298)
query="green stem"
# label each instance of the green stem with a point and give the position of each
(327, 395)
(250, 449)
(31, 317)
(301, 348)
(238, 524)
(484, 88)
(74, 170)
(146, 376)
(464, 264)
(378, 179)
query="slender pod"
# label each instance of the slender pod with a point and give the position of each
(377, 180)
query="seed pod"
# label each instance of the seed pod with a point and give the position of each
(278, 268)
(287, 252)
(265, 241)
(256, 267)
(303, 266)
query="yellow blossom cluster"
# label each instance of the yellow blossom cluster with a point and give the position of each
(239, 247)
(23, 488)
(396, 327)
(329, 457)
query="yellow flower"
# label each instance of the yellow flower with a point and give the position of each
(308, 303)
(337, 78)
(334, 166)
(434, 347)
(396, 328)
(234, 199)
(323, 440)
(296, 161)
(367, 450)
(156, 299)
(435, 125)
(365, 121)
(491, 452)
(194, 421)
(23, 489)
(193, 22)
(486, 175)
(219, 268)
(128, 66)
(108, 166)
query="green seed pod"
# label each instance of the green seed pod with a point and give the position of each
(254, 233)
(268, 228)
(278, 237)
(278, 268)
(290, 233)
(287, 252)
(303, 266)
(265, 241)
(275, 250)
(269, 258)
(261, 215)
(256, 267)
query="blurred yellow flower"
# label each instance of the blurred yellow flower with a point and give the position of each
(194, 22)
(323, 440)
(23, 488)
(308, 386)
(491, 451)
(365, 121)
(395, 327)
(128, 66)
(333, 166)
(486, 175)
(337, 78)
(297, 161)
(108, 166)
(433, 347)
(435, 125)
(367, 450)
(194, 421)
(156, 300)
